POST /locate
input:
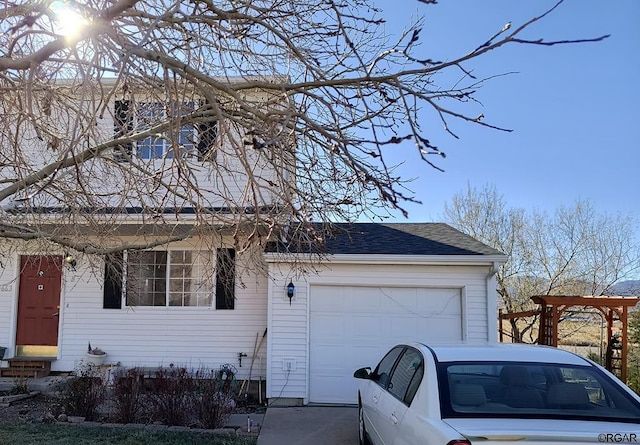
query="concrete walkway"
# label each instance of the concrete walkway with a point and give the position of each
(310, 425)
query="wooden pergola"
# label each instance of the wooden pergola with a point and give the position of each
(613, 308)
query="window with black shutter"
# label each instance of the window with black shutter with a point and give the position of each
(123, 125)
(201, 137)
(207, 137)
(112, 297)
(225, 278)
(170, 278)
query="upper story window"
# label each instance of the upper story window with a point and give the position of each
(160, 146)
(130, 117)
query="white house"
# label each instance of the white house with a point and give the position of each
(196, 300)
(378, 284)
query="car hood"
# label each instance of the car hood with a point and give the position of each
(500, 430)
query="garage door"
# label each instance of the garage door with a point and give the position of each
(352, 327)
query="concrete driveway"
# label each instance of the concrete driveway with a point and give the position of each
(310, 425)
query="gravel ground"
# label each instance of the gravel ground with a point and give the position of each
(36, 409)
(46, 408)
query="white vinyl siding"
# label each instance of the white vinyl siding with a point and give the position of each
(290, 332)
(213, 183)
(8, 291)
(160, 336)
(150, 336)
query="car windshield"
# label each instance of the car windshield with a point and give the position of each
(532, 390)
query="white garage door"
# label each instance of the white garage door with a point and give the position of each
(352, 327)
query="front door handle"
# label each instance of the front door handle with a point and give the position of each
(57, 314)
(375, 399)
(394, 419)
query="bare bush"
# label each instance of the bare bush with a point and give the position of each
(213, 397)
(128, 393)
(83, 393)
(170, 396)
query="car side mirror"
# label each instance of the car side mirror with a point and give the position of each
(363, 373)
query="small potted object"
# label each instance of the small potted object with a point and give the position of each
(95, 356)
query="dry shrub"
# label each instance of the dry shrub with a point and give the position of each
(202, 398)
(128, 389)
(169, 397)
(213, 396)
(84, 392)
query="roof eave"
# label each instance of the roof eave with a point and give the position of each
(436, 260)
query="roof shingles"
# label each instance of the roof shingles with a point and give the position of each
(394, 239)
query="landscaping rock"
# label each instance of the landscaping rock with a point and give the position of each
(76, 419)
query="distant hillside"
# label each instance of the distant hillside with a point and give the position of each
(631, 287)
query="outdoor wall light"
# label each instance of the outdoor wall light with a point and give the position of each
(291, 289)
(71, 261)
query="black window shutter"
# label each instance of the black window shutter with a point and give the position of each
(123, 124)
(207, 136)
(112, 298)
(225, 278)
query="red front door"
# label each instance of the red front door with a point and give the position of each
(39, 300)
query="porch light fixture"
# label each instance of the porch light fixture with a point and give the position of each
(71, 261)
(291, 289)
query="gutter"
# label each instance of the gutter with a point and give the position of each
(492, 304)
(493, 261)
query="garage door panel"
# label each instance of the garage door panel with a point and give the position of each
(333, 389)
(361, 356)
(328, 326)
(403, 293)
(440, 293)
(319, 363)
(433, 307)
(363, 325)
(440, 330)
(393, 300)
(405, 328)
(328, 298)
(358, 327)
(361, 295)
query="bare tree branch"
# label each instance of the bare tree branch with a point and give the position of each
(249, 115)
(574, 251)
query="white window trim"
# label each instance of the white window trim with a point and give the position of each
(125, 272)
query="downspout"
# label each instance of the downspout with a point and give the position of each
(492, 308)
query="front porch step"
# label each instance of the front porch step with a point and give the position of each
(27, 367)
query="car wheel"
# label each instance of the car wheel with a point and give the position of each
(362, 432)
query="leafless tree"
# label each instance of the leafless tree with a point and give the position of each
(301, 100)
(574, 251)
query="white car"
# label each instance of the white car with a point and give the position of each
(493, 394)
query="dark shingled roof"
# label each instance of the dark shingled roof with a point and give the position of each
(391, 239)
